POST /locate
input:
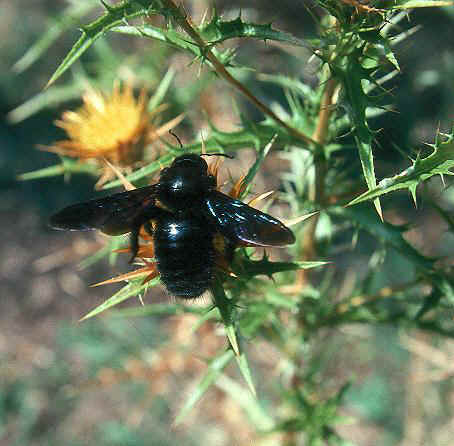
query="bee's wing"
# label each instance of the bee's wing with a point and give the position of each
(243, 224)
(115, 214)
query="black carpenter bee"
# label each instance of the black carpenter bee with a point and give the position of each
(192, 224)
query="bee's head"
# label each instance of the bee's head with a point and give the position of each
(185, 181)
(191, 161)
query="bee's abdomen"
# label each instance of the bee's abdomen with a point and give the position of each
(185, 255)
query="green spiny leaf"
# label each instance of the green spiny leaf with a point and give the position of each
(169, 36)
(114, 16)
(439, 162)
(217, 30)
(215, 368)
(170, 309)
(129, 290)
(250, 405)
(175, 39)
(243, 365)
(68, 166)
(226, 308)
(53, 31)
(53, 96)
(258, 135)
(262, 153)
(352, 75)
(212, 314)
(143, 172)
(263, 266)
(161, 90)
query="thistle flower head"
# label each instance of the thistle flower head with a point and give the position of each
(115, 127)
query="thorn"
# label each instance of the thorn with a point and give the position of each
(378, 208)
(413, 194)
(161, 131)
(296, 220)
(125, 277)
(260, 197)
(126, 184)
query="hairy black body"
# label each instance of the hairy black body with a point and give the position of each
(192, 224)
(185, 255)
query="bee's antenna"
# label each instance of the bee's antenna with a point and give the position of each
(219, 154)
(176, 137)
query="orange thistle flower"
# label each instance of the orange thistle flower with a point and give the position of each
(115, 127)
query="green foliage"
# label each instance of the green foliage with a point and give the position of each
(324, 130)
(439, 162)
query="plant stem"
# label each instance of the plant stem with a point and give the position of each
(316, 195)
(317, 189)
(184, 22)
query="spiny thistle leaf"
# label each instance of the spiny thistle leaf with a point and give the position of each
(129, 290)
(143, 172)
(251, 134)
(263, 266)
(53, 96)
(161, 90)
(258, 135)
(54, 30)
(249, 404)
(352, 74)
(439, 162)
(382, 45)
(114, 16)
(170, 309)
(212, 314)
(217, 30)
(213, 32)
(175, 39)
(243, 365)
(261, 155)
(215, 368)
(226, 308)
(67, 167)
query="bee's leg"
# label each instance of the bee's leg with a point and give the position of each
(134, 242)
